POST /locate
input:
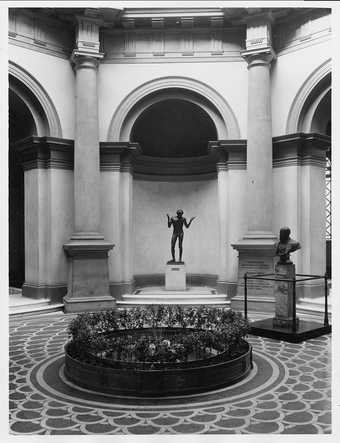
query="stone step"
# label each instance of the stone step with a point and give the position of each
(35, 307)
(158, 295)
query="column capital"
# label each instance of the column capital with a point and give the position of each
(256, 57)
(83, 59)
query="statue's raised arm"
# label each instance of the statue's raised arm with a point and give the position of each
(169, 221)
(186, 224)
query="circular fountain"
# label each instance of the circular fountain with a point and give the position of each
(192, 352)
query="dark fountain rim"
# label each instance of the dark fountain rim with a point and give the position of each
(127, 379)
(221, 357)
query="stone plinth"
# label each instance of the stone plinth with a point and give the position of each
(283, 292)
(88, 286)
(175, 277)
(255, 257)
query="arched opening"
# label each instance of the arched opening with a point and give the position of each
(316, 116)
(174, 128)
(21, 125)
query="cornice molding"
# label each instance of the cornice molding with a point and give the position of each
(118, 156)
(300, 149)
(232, 153)
(44, 153)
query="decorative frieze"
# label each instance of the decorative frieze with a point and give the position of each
(185, 44)
(40, 33)
(129, 44)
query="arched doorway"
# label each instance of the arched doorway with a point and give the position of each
(312, 112)
(21, 125)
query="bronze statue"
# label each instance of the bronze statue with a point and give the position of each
(177, 223)
(285, 246)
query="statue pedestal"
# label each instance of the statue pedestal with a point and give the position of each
(175, 277)
(283, 292)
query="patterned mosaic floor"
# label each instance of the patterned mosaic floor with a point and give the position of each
(288, 392)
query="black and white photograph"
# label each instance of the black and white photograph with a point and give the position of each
(168, 177)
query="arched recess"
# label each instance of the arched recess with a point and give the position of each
(308, 98)
(31, 112)
(311, 112)
(36, 99)
(181, 88)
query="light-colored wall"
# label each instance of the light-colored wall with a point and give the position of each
(152, 200)
(56, 76)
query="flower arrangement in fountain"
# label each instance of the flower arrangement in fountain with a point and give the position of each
(156, 335)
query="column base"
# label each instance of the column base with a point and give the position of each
(36, 291)
(88, 285)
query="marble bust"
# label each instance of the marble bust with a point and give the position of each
(285, 246)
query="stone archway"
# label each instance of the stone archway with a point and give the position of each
(31, 113)
(182, 88)
(305, 103)
(311, 112)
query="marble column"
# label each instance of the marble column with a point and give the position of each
(259, 146)
(88, 285)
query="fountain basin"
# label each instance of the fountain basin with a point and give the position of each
(159, 379)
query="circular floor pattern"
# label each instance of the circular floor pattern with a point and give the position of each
(48, 378)
(287, 392)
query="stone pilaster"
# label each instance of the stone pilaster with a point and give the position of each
(88, 283)
(116, 176)
(48, 181)
(222, 189)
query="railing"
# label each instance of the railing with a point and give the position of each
(306, 277)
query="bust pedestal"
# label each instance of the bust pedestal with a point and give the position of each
(283, 292)
(175, 277)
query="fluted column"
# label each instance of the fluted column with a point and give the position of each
(88, 284)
